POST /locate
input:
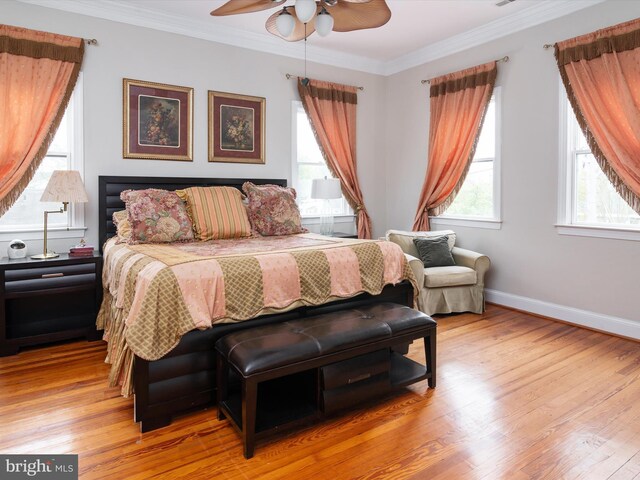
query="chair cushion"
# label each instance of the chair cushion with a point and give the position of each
(436, 277)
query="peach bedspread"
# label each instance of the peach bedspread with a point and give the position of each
(155, 293)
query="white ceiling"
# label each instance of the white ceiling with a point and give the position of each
(419, 30)
(413, 24)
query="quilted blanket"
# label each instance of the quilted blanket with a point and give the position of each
(155, 293)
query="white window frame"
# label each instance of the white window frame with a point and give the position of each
(77, 227)
(495, 222)
(308, 219)
(566, 207)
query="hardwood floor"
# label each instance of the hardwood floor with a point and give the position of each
(518, 397)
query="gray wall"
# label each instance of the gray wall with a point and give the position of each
(530, 260)
(127, 51)
(586, 280)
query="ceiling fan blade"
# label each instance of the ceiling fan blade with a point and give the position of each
(349, 16)
(298, 30)
(233, 7)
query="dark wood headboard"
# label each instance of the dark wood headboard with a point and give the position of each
(109, 189)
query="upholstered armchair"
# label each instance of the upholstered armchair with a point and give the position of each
(456, 288)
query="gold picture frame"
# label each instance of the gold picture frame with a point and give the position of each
(236, 128)
(157, 121)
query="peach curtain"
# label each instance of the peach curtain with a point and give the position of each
(458, 105)
(38, 71)
(331, 109)
(601, 73)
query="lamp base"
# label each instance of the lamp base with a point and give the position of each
(326, 225)
(326, 219)
(47, 254)
(44, 256)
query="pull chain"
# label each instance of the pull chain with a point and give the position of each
(305, 80)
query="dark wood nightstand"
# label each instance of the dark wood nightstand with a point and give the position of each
(344, 235)
(45, 301)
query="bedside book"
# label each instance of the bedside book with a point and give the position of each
(81, 251)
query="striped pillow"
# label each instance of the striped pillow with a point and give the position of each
(216, 212)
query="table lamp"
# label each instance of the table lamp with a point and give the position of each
(64, 186)
(326, 189)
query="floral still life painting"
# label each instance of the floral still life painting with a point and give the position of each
(236, 128)
(157, 121)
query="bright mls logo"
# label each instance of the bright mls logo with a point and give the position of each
(51, 467)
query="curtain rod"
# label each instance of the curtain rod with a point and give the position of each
(504, 59)
(91, 41)
(290, 76)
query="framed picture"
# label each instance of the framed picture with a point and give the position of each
(157, 121)
(236, 128)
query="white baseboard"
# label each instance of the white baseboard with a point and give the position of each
(585, 318)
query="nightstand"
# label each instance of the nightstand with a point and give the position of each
(343, 235)
(45, 301)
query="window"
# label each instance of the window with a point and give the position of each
(479, 197)
(593, 199)
(589, 198)
(65, 152)
(308, 163)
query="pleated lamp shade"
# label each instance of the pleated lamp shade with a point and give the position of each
(65, 186)
(326, 188)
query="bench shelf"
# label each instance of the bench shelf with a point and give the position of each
(283, 403)
(405, 371)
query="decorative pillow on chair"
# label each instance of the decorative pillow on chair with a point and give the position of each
(434, 251)
(216, 212)
(273, 209)
(405, 239)
(157, 216)
(123, 227)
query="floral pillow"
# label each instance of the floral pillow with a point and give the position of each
(123, 227)
(157, 216)
(273, 209)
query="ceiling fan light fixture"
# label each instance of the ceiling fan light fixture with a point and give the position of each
(305, 10)
(324, 23)
(285, 23)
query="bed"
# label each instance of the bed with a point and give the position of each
(183, 379)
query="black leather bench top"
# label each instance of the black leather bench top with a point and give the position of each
(263, 348)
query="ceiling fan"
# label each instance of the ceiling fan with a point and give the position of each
(298, 21)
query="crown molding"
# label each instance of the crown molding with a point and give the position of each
(542, 12)
(120, 11)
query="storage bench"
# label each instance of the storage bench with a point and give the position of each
(303, 369)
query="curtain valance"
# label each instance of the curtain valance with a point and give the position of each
(601, 74)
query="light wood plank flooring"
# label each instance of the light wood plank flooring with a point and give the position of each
(518, 397)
